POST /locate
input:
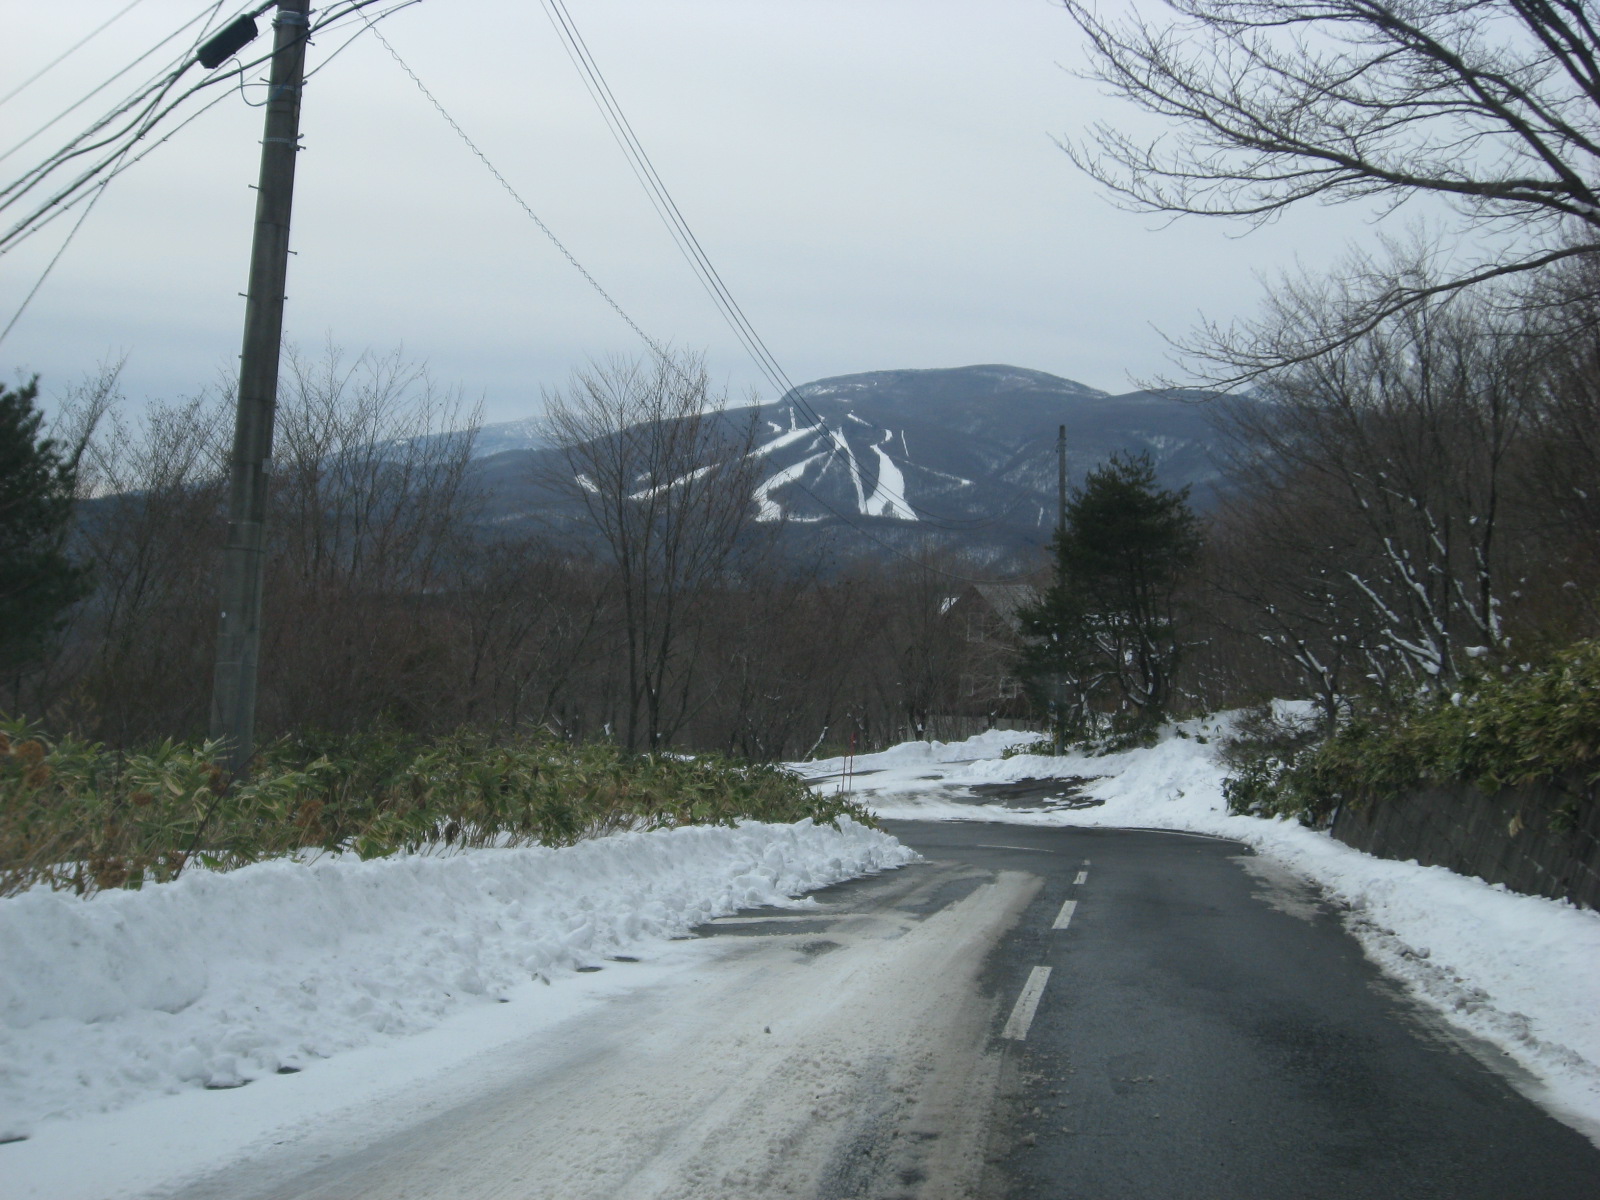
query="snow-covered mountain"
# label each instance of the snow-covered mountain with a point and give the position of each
(526, 434)
(962, 456)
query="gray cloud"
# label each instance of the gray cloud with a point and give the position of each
(874, 178)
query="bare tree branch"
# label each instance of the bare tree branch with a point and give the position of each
(1493, 105)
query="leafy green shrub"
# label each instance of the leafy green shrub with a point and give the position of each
(76, 815)
(1540, 726)
(1264, 749)
(1044, 745)
(1125, 731)
(1100, 737)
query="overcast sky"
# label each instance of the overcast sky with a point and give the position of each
(875, 180)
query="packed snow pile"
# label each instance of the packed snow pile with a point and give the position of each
(1521, 972)
(216, 979)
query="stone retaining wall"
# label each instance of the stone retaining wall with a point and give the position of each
(1507, 837)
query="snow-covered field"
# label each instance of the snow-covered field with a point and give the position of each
(1520, 972)
(218, 979)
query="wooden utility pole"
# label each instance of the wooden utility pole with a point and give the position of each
(1061, 481)
(233, 695)
(1061, 532)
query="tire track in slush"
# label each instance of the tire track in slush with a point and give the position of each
(835, 1094)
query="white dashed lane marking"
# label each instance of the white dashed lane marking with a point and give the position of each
(1027, 1004)
(1083, 877)
(1028, 1000)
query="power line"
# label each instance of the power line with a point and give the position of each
(654, 346)
(118, 168)
(150, 96)
(118, 161)
(517, 196)
(51, 265)
(70, 50)
(148, 106)
(153, 107)
(699, 261)
(142, 90)
(660, 198)
(334, 23)
(93, 199)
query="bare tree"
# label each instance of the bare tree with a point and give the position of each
(150, 522)
(1277, 569)
(926, 651)
(1560, 505)
(371, 493)
(1379, 474)
(1492, 104)
(666, 477)
(529, 620)
(371, 466)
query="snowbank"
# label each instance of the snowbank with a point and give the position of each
(1522, 972)
(988, 745)
(220, 978)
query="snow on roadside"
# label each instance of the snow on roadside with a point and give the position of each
(216, 979)
(898, 764)
(1521, 972)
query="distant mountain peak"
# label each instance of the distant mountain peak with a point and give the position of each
(964, 455)
(978, 382)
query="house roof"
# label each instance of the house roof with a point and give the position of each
(1006, 599)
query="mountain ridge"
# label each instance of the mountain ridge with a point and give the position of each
(963, 455)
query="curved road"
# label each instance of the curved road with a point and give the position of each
(1065, 1013)
(1209, 1030)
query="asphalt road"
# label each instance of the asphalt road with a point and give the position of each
(1079, 1014)
(1207, 1029)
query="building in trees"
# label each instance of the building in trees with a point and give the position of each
(988, 618)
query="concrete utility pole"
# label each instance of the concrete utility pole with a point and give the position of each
(233, 695)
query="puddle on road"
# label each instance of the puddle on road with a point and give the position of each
(816, 948)
(1281, 888)
(1064, 792)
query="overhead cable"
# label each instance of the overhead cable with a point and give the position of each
(710, 278)
(138, 114)
(90, 186)
(517, 197)
(656, 191)
(82, 100)
(70, 50)
(655, 347)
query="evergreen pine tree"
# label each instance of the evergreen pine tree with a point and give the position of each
(1106, 633)
(38, 581)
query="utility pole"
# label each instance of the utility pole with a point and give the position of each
(1061, 533)
(233, 695)
(1061, 481)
